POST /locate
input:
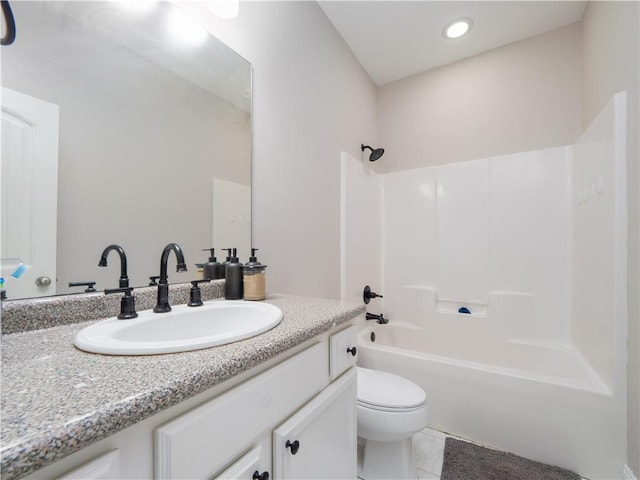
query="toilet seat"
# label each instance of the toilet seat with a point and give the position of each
(388, 392)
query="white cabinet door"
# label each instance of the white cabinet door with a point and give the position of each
(320, 440)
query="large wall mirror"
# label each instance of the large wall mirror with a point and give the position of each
(122, 122)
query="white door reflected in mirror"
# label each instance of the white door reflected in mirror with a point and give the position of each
(29, 194)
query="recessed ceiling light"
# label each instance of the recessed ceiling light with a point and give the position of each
(457, 28)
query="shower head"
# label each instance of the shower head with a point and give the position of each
(375, 153)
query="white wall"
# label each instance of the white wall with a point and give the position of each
(610, 65)
(520, 97)
(312, 100)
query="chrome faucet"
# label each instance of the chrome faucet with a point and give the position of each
(162, 305)
(124, 280)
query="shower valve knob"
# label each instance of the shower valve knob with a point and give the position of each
(367, 294)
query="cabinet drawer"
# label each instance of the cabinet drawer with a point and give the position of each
(106, 466)
(205, 439)
(244, 468)
(342, 347)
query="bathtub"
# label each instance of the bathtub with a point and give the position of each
(539, 400)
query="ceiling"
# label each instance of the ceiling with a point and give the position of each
(396, 39)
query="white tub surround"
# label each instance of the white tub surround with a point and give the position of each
(533, 247)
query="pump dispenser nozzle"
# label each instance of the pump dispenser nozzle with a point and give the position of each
(212, 253)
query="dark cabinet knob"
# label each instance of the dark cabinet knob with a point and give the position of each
(295, 446)
(260, 476)
(353, 351)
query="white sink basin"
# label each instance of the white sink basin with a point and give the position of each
(180, 330)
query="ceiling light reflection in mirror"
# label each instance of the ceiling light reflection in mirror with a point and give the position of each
(185, 31)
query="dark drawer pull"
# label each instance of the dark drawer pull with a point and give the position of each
(260, 476)
(295, 445)
(353, 351)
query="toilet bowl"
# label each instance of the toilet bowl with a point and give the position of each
(391, 409)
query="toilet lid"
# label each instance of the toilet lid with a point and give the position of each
(383, 389)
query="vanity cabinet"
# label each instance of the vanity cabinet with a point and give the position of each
(246, 430)
(291, 413)
(202, 441)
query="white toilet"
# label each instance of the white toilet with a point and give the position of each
(390, 410)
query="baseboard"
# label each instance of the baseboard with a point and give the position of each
(627, 473)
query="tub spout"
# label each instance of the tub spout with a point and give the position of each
(379, 318)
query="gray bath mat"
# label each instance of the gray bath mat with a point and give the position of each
(466, 461)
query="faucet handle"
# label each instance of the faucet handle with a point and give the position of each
(368, 294)
(127, 304)
(153, 280)
(90, 286)
(195, 295)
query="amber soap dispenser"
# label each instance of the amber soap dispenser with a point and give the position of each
(254, 278)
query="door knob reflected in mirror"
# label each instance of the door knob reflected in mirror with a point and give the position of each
(43, 281)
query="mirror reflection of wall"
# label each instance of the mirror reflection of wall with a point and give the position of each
(145, 126)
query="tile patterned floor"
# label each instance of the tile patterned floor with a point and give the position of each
(428, 446)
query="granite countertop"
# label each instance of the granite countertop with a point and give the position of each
(57, 399)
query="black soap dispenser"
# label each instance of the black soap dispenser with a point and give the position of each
(212, 270)
(227, 260)
(233, 287)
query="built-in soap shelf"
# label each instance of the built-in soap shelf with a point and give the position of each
(461, 307)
